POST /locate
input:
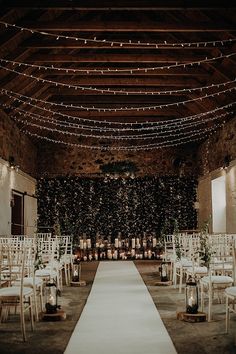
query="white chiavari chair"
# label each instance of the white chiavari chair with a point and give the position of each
(13, 264)
(220, 276)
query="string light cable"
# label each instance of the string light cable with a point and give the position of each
(163, 128)
(142, 108)
(153, 125)
(125, 70)
(164, 43)
(177, 142)
(161, 134)
(109, 90)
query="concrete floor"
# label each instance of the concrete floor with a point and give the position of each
(188, 338)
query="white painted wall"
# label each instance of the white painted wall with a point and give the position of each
(218, 188)
(11, 179)
(231, 199)
(205, 197)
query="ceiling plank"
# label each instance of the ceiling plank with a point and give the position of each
(114, 58)
(119, 5)
(129, 26)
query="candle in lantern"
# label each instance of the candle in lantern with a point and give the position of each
(51, 300)
(116, 242)
(85, 245)
(149, 254)
(191, 301)
(96, 256)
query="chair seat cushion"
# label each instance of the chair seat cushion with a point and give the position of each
(231, 291)
(217, 279)
(45, 273)
(199, 270)
(14, 291)
(29, 281)
(183, 262)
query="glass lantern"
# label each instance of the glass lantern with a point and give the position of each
(191, 292)
(51, 293)
(164, 271)
(76, 271)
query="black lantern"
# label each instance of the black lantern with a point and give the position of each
(51, 298)
(164, 271)
(76, 270)
(191, 296)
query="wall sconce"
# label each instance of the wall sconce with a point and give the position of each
(226, 162)
(12, 164)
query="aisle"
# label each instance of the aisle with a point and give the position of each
(119, 316)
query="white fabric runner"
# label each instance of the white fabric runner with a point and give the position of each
(120, 316)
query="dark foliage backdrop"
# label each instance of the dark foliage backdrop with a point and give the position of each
(130, 206)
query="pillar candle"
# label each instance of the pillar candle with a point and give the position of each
(89, 243)
(116, 242)
(154, 242)
(133, 242)
(81, 244)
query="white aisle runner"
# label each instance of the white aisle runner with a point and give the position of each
(120, 316)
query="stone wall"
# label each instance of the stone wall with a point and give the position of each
(212, 155)
(16, 144)
(220, 145)
(60, 160)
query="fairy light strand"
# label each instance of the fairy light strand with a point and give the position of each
(163, 128)
(130, 42)
(140, 108)
(125, 70)
(110, 90)
(114, 123)
(132, 147)
(162, 134)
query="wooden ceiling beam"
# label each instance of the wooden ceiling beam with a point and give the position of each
(117, 100)
(129, 26)
(98, 5)
(114, 58)
(159, 81)
(201, 73)
(72, 44)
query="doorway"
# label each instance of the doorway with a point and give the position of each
(218, 204)
(17, 213)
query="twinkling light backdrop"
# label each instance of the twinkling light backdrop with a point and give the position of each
(109, 206)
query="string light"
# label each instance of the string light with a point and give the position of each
(165, 144)
(109, 90)
(176, 120)
(122, 43)
(139, 108)
(162, 134)
(125, 70)
(167, 126)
